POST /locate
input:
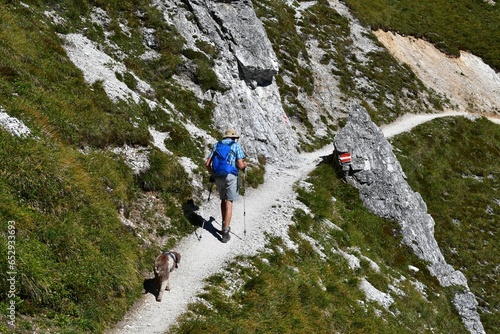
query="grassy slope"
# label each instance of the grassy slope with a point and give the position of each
(69, 241)
(455, 165)
(78, 266)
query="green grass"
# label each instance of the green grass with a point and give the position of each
(80, 268)
(454, 163)
(41, 86)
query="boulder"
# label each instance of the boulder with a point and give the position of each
(377, 174)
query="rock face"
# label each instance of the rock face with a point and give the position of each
(245, 64)
(234, 24)
(377, 174)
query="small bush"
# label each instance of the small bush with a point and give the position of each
(255, 175)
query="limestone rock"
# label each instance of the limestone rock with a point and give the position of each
(246, 64)
(236, 24)
(377, 174)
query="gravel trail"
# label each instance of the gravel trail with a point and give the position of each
(266, 209)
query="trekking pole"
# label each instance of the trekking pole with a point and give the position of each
(202, 228)
(244, 208)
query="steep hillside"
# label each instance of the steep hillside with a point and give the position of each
(469, 84)
(108, 110)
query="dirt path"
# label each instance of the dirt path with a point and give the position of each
(409, 121)
(266, 209)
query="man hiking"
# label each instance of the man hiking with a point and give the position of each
(224, 162)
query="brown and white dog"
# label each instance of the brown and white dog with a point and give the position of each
(164, 264)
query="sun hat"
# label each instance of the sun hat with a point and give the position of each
(231, 133)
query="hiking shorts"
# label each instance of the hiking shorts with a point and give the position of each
(227, 187)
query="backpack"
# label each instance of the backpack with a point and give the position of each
(220, 160)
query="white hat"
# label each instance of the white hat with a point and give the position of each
(231, 133)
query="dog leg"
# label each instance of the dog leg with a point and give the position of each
(160, 296)
(158, 284)
(160, 291)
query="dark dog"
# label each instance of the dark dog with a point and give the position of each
(164, 264)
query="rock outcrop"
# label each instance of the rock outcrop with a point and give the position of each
(234, 24)
(13, 125)
(377, 174)
(245, 64)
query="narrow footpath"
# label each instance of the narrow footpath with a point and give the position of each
(267, 209)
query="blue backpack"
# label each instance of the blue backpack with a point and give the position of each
(221, 158)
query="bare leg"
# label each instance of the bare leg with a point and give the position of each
(227, 212)
(223, 210)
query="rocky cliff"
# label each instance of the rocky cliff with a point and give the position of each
(246, 66)
(376, 173)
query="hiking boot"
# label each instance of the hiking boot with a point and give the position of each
(225, 234)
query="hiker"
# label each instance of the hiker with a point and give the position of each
(224, 162)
